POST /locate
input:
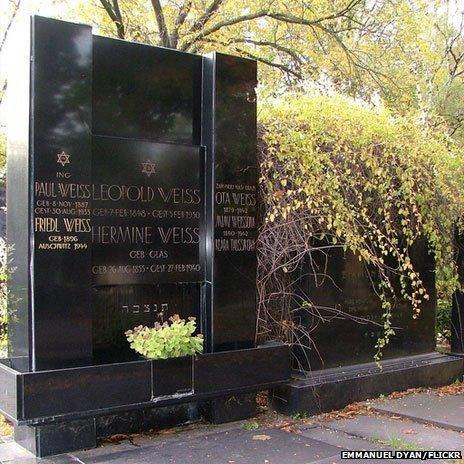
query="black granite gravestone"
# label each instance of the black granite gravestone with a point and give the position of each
(232, 210)
(457, 312)
(334, 355)
(146, 248)
(132, 183)
(347, 317)
(113, 208)
(118, 214)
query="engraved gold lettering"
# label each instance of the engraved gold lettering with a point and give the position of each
(77, 225)
(46, 224)
(121, 234)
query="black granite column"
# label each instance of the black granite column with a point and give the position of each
(61, 149)
(457, 312)
(49, 219)
(229, 133)
(17, 193)
(54, 266)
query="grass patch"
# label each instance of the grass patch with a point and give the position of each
(400, 444)
(300, 415)
(250, 425)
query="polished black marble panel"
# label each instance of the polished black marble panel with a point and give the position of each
(147, 248)
(173, 376)
(117, 308)
(228, 409)
(347, 322)
(60, 163)
(228, 370)
(10, 397)
(146, 92)
(147, 203)
(230, 135)
(67, 394)
(51, 393)
(50, 439)
(317, 392)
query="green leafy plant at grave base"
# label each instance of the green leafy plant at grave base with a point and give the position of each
(168, 340)
(337, 174)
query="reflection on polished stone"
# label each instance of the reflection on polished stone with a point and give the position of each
(231, 149)
(124, 201)
(347, 319)
(146, 92)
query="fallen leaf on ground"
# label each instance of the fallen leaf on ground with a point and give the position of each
(118, 437)
(167, 431)
(285, 425)
(261, 437)
(290, 429)
(409, 432)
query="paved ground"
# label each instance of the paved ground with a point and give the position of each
(424, 421)
(445, 411)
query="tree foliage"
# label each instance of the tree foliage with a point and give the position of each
(407, 53)
(12, 9)
(338, 174)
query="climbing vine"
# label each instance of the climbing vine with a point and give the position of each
(336, 174)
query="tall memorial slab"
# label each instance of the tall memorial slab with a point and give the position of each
(334, 357)
(348, 321)
(232, 190)
(457, 312)
(132, 196)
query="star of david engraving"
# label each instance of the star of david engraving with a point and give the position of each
(63, 158)
(148, 168)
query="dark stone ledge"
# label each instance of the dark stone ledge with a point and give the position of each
(76, 393)
(332, 389)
